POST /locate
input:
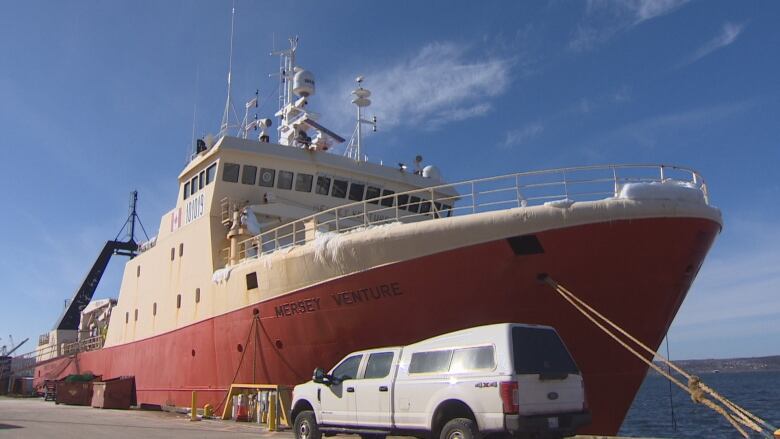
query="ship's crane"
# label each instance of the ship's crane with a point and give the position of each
(4, 351)
(71, 316)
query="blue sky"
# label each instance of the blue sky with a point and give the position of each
(97, 99)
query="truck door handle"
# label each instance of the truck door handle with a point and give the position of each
(383, 388)
(350, 389)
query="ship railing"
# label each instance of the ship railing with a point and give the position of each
(562, 185)
(87, 344)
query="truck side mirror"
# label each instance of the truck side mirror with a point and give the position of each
(319, 376)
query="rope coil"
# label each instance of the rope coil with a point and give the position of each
(700, 393)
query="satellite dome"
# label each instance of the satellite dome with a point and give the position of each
(303, 83)
(431, 172)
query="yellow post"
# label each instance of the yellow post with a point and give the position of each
(194, 412)
(271, 411)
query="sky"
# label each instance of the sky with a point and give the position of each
(98, 99)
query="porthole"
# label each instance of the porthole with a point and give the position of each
(154, 309)
(136, 314)
(178, 301)
(181, 249)
(197, 295)
(173, 252)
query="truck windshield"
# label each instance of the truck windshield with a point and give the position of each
(540, 351)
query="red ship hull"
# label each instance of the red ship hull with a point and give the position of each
(636, 272)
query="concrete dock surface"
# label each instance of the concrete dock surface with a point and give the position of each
(35, 418)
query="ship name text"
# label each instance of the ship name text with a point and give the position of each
(344, 298)
(299, 307)
(368, 294)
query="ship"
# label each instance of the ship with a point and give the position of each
(282, 256)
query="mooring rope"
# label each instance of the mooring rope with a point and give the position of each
(240, 361)
(698, 390)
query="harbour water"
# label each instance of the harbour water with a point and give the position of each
(651, 413)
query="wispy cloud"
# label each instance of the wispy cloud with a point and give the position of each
(522, 136)
(441, 83)
(647, 132)
(728, 35)
(605, 18)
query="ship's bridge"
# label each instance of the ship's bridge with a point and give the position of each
(270, 185)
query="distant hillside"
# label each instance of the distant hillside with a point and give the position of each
(756, 364)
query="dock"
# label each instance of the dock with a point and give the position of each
(32, 417)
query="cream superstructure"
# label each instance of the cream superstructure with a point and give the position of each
(169, 285)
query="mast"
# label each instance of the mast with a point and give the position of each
(361, 100)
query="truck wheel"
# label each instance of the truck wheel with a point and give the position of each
(306, 426)
(459, 428)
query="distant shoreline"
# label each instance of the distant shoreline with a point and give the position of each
(728, 365)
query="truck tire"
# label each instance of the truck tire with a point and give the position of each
(306, 426)
(459, 428)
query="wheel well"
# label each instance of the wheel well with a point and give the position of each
(300, 406)
(447, 411)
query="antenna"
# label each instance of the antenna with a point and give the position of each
(228, 104)
(194, 111)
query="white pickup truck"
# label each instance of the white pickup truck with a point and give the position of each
(508, 378)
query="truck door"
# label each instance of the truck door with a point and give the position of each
(338, 400)
(374, 392)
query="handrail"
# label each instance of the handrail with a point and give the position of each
(581, 183)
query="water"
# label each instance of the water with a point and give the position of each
(651, 416)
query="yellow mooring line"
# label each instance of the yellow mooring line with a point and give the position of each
(737, 416)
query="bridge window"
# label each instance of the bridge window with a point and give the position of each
(425, 206)
(403, 201)
(194, 185)
(387, 202)
(323, 185)
(373, 192)
(201, 179)
(414, 204)
(210, 172)
(356, 191)
(249, 175)
(303, 182)
(267, 177)
(285, 180)
(230, 172)
(186, 190)
(339, 188)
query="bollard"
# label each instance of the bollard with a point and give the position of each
(271, 411)
(194, 412)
